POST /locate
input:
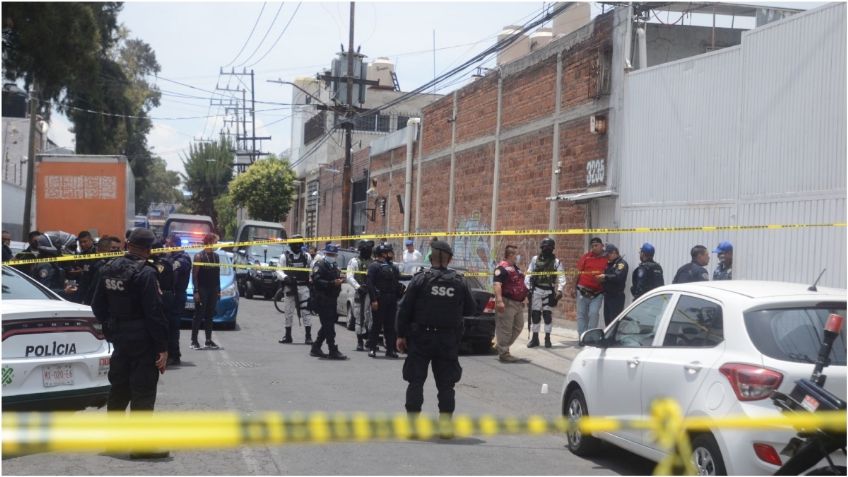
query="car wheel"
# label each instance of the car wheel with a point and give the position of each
(575, 408)
(248, 292)
(706, 456)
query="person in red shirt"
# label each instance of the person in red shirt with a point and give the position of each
(589, 290)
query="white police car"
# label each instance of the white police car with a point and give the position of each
(55, 356)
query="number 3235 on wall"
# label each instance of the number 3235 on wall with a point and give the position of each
(595, 171)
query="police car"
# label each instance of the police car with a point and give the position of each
(55, 356)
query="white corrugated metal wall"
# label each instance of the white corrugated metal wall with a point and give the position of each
(753, 134)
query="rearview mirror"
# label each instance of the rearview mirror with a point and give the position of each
(593, 337)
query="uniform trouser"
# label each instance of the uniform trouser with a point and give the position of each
(168, 300)
(613, 304)
(442, 350)
(588, 310)
(133, 375)
(292, 303)
(508, 325)
(327, 315)
(541, 309)
(384, 320)
(204, 313)
(174, 322)
(362, 315)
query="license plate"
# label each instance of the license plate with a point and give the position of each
(268, 280)
(57, 375)
(190, 305)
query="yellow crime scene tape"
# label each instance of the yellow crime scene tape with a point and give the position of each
(147, 431)
(473, 233)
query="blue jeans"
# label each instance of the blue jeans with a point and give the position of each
(588, 311)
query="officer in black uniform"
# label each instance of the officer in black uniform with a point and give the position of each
(327, 282)
(614, 280)
(694, 271)
(127, 301)
(429, 329)
(648, 275)
(383, 282)
(49, 274)
(164, 265)
(182, 273)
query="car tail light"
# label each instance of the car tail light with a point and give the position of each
(490, 306)
(767, 453)
(749, 382)
(97, 330)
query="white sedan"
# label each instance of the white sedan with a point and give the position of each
(55, 356)
(717, 348)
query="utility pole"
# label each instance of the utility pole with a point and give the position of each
(253, 153)
(33, 112)
(346, 170)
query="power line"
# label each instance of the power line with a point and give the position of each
(248, 36)
(278, 37)
(270, 27)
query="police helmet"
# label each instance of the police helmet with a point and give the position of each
(293, 239)
(331, 249)
(379, 250)
(141, 237)
(388, 248)
(647, 249)
(45, 245)
(363, 244)
(547, 242)
(442, 247)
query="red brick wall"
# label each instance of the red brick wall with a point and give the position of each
(529, 95)
(477, 108)
(578, 146)
(437, 125)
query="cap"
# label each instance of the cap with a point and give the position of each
(724, 247)
(141, 237)
(647, 248)
(408, 242)
(596, 240)
(330, 248)
(442, 246)
(610, 248)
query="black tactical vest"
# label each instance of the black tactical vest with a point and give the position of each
(117, 281)
(545, 265)
(165, 273)
(439, 300)
(300, 260)
(386, 281)
(362, 267)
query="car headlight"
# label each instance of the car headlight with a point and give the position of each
(230, 291)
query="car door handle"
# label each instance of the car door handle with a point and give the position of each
(693, 367)
(632, 363)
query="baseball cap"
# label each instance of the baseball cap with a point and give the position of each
(330, 248)
(610, 248)
(141, 237)
(442, 246)
(724, 247)
(408, 242)
(596, 240)
(647, 248)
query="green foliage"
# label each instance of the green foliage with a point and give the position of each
(266, 189)
(208, 170)
(160, 185)
(226, 217)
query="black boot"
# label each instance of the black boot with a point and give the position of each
(287, 338)
(335, 353)
(308, 335)
(534, 342)
(372, 353)
(316, 351)
(360, 343)
(548, 340)
(351, 323)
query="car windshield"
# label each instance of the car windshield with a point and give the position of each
(17, 287)
(257, 252)
(222, 256)
(795, 334)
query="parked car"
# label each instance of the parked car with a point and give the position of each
(479, 328)
(227, 309)
(719, 349)
(55, 356)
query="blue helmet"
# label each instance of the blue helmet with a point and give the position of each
(648, 249)
(331, 248)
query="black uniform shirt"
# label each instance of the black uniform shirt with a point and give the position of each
(324, 276)
(647, 276)
(615, 276)
(436, 297)
(691, 272)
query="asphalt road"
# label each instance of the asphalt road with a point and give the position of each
(253, 373)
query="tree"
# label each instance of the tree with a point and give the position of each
(266, 188)
(208, 170)
(226, 217)
(160, 185)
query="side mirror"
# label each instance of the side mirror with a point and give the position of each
(593, 337)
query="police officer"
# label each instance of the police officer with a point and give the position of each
(127, 301)
(327, 282)
(724, 271)
(614, 279)
(165, 276)
(648, 275)
(694, 271)
(83, 268)
(296, 288)
(182, 273)
(545, 290)
(429, 329)
(49, 274)
(357, 268)
(104, 245)
(383, 281)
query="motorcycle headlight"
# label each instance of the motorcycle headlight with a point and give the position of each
(230, 291)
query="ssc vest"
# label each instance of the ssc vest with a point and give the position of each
(117, 280)
(298, 261)
(439, 303)
(514, 287)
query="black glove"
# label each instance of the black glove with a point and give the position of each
(401, 289)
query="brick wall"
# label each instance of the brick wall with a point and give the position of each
(529, 95)
(477, 108)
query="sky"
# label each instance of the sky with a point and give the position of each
(194, 40)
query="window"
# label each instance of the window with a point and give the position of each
(401, 121)
(696, 323)
(17, 286)
(638, 327)
(383, 123)
(795, 334)
(360, 197)
(315, 127)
